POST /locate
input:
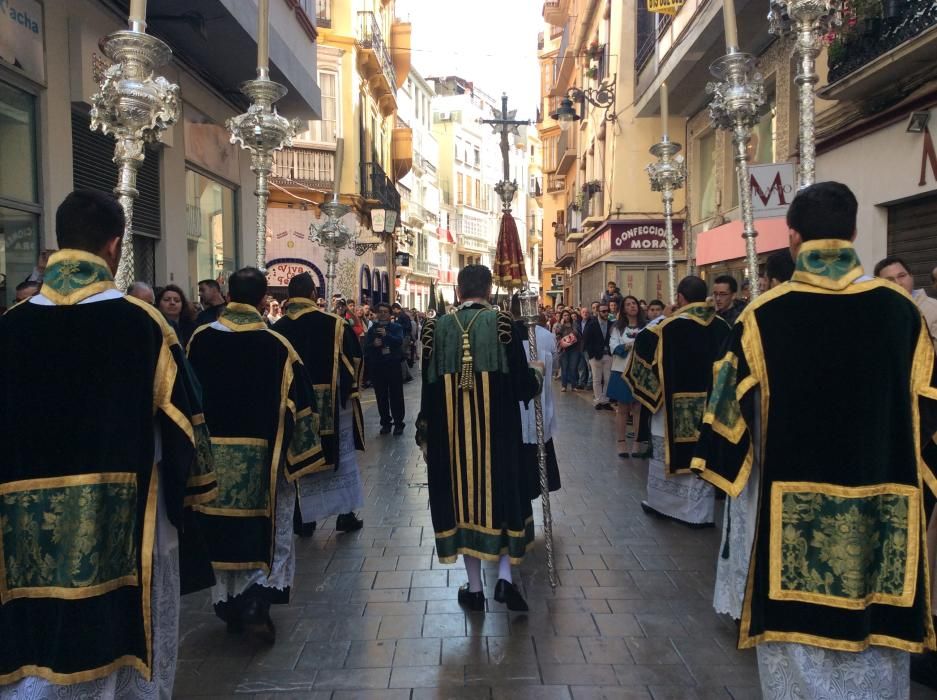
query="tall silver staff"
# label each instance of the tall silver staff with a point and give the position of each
(135, 107)
(808, 21)
(510, 272)
(261, 129)
(667, 175)
(737, 100)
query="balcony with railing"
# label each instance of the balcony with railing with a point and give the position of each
(556, 12)
(472, 244)
(374, 62)
(426, 268)
(310, 167)
(378, 188)
(536, 187)
(872, 51)
(556, 183)
(323, 12)
(565, 252)
(564, 63)
(566, 150)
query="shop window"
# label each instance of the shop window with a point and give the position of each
(706, 176)
(210, 229)
(375, 288)
(19, 249)
(364, 283)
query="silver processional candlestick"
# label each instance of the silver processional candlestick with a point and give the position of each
(737, 101)
(135, 107)
(808, 21)
(262, 131)
(668, 175)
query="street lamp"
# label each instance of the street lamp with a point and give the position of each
(602, 96)
(808, 21)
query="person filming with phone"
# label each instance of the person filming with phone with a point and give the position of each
(382, 347)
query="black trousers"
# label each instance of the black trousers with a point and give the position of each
(388, 388)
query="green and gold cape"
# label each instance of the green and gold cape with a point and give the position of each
(84, 386)
(848, 418)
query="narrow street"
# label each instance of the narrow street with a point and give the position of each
(374, 615)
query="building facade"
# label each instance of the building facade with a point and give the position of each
(607, 223)
(193, 218)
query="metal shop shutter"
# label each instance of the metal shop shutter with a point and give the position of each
(912, 236)
(92, 154)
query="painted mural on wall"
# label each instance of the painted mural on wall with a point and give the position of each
(289, 250)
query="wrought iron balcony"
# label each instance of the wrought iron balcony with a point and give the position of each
(311, 167)
(872, 37)
(370, 38)
(323, 13)
(376, 186)
(565, 252)
(556, 183)
(424, 267)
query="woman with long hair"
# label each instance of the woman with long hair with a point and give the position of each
(175, 307)
(569, 353)
(630, 322)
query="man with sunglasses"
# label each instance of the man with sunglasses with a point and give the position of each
(595, 337)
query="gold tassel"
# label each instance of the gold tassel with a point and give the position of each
(467, 371)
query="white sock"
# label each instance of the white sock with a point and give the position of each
(504, 568)
(473, 567)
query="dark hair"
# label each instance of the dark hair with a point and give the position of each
(824, 210)
(474, 282)
(693, 289)
(384, 305)
(187, 313)
(656, 302)
(780, 266)
(729, 280)
(396, 305)
(621, 323)
(890, 260)
(564, 312)
(247, 286)
(613, 282)
(210, 283)
(88, 220)
(301, 285)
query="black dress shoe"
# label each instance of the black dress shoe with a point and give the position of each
(306, 529)
(347, 522)
(471, 601)
(508, 594)
(256, 620)
(230, 612)
(398, 429)
(385, 430)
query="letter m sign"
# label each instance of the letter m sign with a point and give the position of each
(772, 188)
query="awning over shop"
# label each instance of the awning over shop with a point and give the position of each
(726, 243)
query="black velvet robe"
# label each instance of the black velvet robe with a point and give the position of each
(477, 479)
(331, 354)
(261, 414)
(82, 387)
(847, 424)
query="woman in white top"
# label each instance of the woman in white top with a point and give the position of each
(630, 322)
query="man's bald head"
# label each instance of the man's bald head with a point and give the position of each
(142, 291)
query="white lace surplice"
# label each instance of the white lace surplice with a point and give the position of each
(229, 584)
(331, 493)
(738, 532)
(800, 672)
(685, 497)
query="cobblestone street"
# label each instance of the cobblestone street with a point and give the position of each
(374, 615)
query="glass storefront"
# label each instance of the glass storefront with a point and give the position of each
(210, 230)
(19, 190)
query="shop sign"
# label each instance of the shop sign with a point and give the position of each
(22, 37)
(773, 187)
(279, 274)
(639, 236)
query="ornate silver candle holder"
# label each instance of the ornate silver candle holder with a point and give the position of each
(135, 107)
(737, 102)
(668, 175)
(808, 21)
(333, 236)
(262, 131)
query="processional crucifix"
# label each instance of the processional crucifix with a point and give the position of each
(509, 271)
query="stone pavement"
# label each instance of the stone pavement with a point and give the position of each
(374, 615)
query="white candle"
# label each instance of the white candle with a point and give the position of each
(339, 154)
(731, 28)
(664, 109)
(263, 29)
(138, 10)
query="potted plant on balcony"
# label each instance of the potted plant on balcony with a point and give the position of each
(596, 49)
(591, 187)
